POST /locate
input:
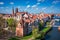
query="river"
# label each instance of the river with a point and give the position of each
(54, 34)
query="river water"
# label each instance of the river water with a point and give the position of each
(54, 34)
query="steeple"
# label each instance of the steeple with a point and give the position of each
(16, 10)
(13, 11)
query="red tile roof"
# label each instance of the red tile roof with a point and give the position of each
(34, 17)
(58, 14)
(30, 15)
(28, 20)
(7, 15)
(18, 13)
(41, 16)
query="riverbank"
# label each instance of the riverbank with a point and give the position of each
(40, 35)
(44, 32)
(54, 34)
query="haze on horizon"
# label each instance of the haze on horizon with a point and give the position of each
(31, 6)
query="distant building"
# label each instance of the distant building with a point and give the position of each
(13, 14)
(16, 11)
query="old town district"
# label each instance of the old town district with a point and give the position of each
(26, 20)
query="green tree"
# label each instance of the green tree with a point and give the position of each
(11, 24)
(34, 32)
(14, 38)
(41, 24)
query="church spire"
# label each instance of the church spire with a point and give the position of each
(13, 11)
(16, 10)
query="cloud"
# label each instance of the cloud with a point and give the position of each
(1, 2)
(44, 8)
(34, 6)
(40, 0)
(28, 6)
(51, 6)
(38, 3)
(11, 2)
(55, 2)
(25, 9)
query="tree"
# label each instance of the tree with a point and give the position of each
(2, 22)
(34, 32)
(2, 25)
(11, 23)
(41, 24)
(14, 38)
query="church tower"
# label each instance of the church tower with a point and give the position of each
(16, 10)
(13, 12)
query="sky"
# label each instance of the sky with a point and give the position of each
(31, 6)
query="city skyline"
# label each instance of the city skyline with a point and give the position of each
(35, 6)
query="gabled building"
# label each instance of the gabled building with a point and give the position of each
(44, 17)
(23, 26)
